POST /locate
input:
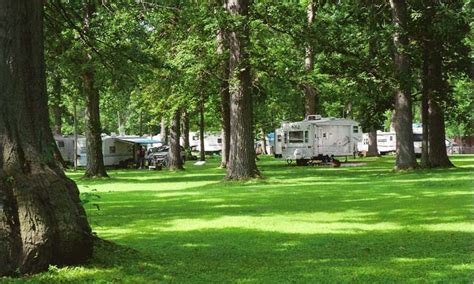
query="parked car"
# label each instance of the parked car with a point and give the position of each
(160, 155)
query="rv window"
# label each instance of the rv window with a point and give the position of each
(61, 144)
(112, 149)
(306, 138)
(195, 138)
(219, 140)
(356, 129)
(279, 138)
(324, 135)
(296, 136)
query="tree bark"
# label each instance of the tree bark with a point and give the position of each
(42, 221)
(225, 98)
(95, 159)
(437, 136)
(242, 154)
(56, 105)
(202, 150)
(175, 161)
(310, 94)
(372, 149)
(403, 116)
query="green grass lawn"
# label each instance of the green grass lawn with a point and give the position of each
(299, 224)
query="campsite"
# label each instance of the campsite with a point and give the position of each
(236, 141)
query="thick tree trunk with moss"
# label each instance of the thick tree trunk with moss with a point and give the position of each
(403, 116)
(175, 160)
(225, 98)
(95, 159)
(42, 221)
(242, 153)
(311, 99)
(372, 149)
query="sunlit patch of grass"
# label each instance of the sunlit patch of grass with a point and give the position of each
(299, 224)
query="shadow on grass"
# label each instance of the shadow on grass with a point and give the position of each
(236, 255)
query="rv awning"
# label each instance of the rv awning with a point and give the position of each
(142, 141)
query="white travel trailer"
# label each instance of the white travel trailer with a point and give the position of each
(278, 143)
(387, 141)
(212, 142)
(319, 138)
(66, 147)
(117, 150)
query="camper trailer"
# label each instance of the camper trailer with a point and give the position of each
(212, 142)
(319, 138)
(278, 143)
(66, 147)
(117, 150)
(387, 141)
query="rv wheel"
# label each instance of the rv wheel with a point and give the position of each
(289, 162)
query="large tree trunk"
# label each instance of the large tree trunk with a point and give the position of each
(403, 117)
(310, 94)
(56, 105)
(202, 150)
(242, 154)
(41, 219)
(372, 149)
(95, 159)
(175, 161)
(225, 99)
(434, 87)
(437, 136)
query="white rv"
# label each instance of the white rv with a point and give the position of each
(117, 150)
(66, 147)
(387, 141)
(278, 143)
(212, 142)
(319, 138)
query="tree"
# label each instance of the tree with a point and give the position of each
(241, 154)
(42, 221)
(223, 51)
(95, 159)
(310, 94)
(175, 160)
(435, 26)
(403, 116)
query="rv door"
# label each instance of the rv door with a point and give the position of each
(316, 141)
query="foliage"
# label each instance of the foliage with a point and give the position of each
(155, 57)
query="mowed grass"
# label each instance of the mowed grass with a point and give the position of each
(299, 224)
